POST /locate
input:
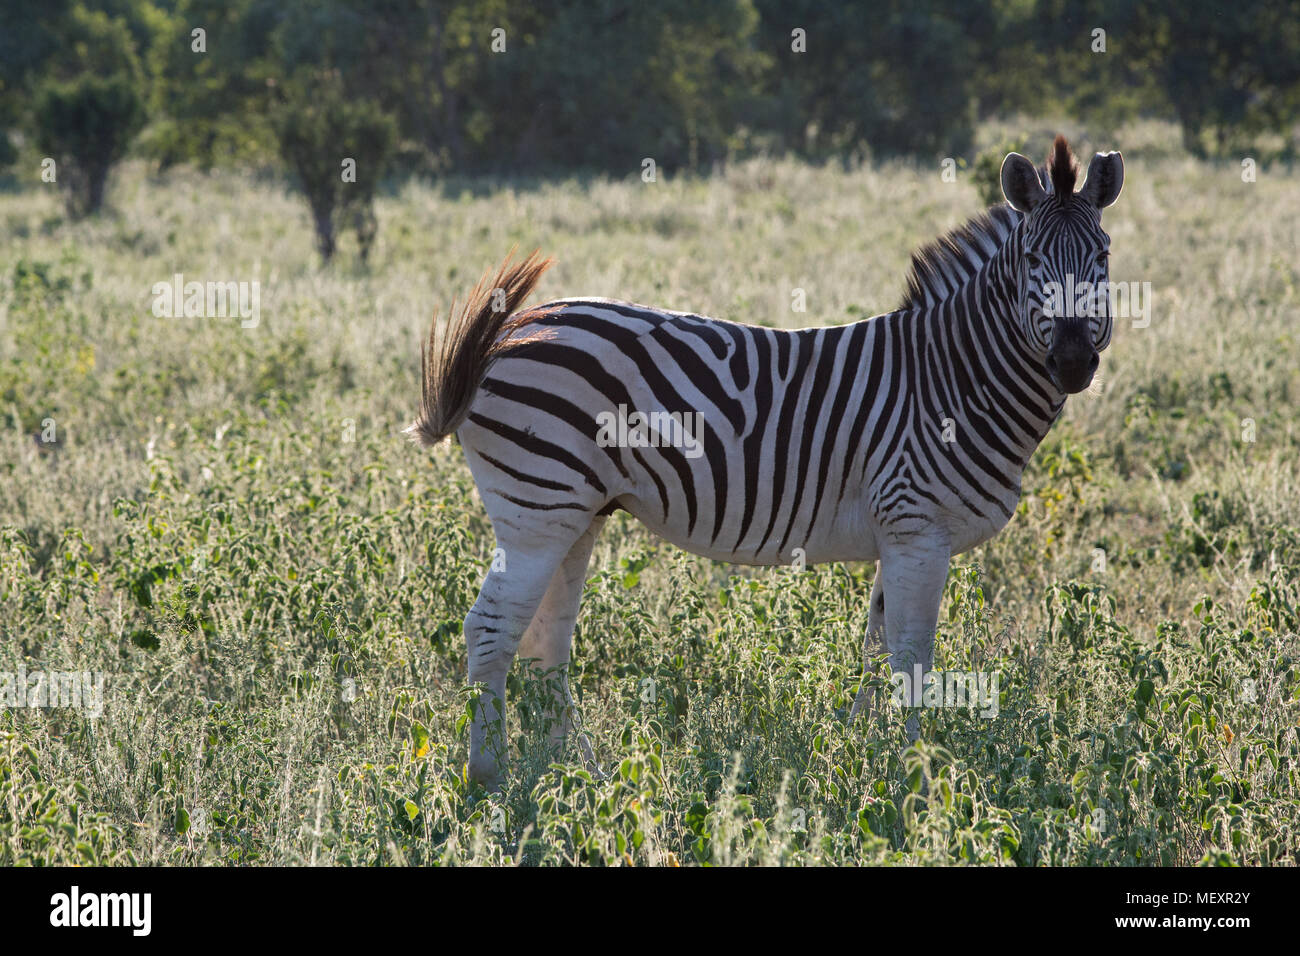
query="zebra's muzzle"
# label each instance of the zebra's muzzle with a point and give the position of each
(1071, 369)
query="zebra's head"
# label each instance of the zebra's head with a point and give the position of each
(1062, 275)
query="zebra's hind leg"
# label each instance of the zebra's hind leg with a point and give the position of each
(875, 627)
(514, 588)
(549, 639)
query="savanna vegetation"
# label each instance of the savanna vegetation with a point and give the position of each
(222, 518)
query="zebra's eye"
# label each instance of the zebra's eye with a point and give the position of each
(1102, 257)
(1034, 260)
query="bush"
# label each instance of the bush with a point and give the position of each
(86, 125)
(319, 130)
(987, 173)
(88, 103)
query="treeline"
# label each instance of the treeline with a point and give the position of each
(506, 86)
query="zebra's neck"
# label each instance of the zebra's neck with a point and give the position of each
(995, 290)
(963, 290)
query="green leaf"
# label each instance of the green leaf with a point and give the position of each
(1145, 691)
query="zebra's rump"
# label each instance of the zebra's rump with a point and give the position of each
(730, 440)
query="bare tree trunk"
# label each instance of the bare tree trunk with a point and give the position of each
(324, 220)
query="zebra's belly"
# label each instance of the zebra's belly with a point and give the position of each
(970, 532)
(845, 538)
(849, 539)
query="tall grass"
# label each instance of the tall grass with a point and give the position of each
(231, 530)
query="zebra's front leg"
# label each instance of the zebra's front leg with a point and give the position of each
(549, 639)
(875, 627)
(914, 567)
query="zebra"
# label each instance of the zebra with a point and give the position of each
(899, 439)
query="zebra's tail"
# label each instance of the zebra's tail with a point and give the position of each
(455, 358)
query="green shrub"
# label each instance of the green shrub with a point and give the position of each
(85, 125)
(987, 172)
(320, 130)
(88, 104)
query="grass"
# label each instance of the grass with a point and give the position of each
(230, 528)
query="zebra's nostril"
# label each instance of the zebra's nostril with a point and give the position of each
(1051, 364)
(1094, 362)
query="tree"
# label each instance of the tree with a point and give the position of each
(215, 65)
(337, 148)
(85, 125)
(89, 105)
(900, 75)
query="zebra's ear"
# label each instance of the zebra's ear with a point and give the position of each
(1020, 183)
(1105, 179)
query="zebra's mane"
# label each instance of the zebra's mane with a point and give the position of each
(941, 267)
